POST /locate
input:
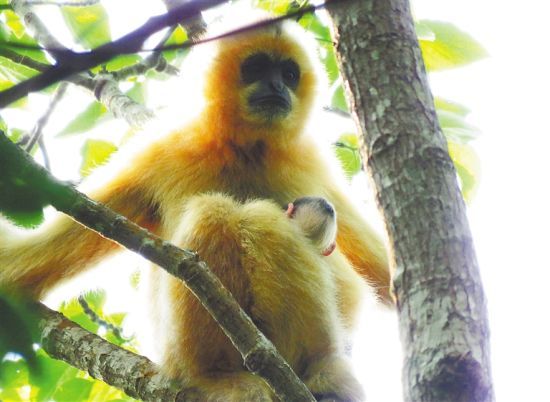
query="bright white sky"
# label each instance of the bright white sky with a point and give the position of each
(507, 94)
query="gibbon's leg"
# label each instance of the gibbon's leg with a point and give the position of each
(279, 279)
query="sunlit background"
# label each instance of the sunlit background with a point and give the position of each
(508, 97)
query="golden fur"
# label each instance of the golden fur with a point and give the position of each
(218, 185)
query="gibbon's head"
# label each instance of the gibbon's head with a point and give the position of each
(317, 219)
(263, 81)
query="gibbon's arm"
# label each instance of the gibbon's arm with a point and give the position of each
(362, 246)
(35, 262)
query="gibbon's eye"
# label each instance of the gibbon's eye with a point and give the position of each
(255, 67)
(291, 73)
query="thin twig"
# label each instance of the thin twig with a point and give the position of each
(21, 59)
(44, 151)
(97, 319)
(152, 61)
(43, 120)
(338, 112)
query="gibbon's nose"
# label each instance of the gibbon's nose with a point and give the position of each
(276, 82)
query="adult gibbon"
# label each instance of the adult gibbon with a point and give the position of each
(216, 185)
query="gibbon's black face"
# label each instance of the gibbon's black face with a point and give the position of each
(271, 82)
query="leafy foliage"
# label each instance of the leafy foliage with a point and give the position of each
(347, 151)
(17, 333)
(444, 46)
(89, 25)
(85, 120)
(56, 380)
(22, 195)
(95, 153)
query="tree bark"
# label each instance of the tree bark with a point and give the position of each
(437, 286)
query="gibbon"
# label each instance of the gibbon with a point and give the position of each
(217, 185)
(317, 219)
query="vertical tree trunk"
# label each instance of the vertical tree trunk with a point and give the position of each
(440, 300)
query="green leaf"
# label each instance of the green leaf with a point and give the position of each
(73, 311)
(456, 128)
(89, 25)
(328, 57)
(178, 37)
(20, 42)
(14, 23)
(117, 318)
(96, 299)
(104, 392)
(137, 92)
(468, 167)
(449, 47)
(18, 331)
(14, 72)
(12, 395)
(275, 6)
(21, 199)
(451, 106)
(122, 61)
(423, 31)
(85, 120)
(14, 375)
(95, 153)
(347, 151)
(15, 134)
(313, 24)
(55, 374)
(339, 99)
(74, 389)
(23, 189)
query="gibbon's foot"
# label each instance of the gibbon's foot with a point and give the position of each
(331, 380)
(229, 387)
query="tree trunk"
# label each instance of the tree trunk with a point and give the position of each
(440, 300)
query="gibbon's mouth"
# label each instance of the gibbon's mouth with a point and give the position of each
(270, 104)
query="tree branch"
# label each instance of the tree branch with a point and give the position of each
(153, 61)
(105, 88)
(134, 374)
(258, 353)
